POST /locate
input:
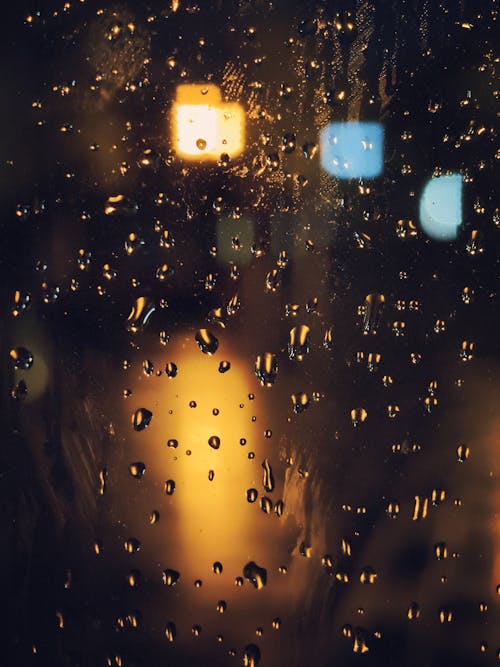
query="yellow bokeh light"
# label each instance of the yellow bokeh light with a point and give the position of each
(203, 126)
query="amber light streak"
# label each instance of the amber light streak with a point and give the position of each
(204, 128)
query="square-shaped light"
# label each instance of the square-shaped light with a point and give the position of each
(203, 126)
(352, 149)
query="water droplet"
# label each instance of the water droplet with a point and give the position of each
(22, 358)
(201, 144)
(133, 578)
(214, 442)
(392, 509)
(169, 487)
(445, 615)
(266, 504)
(217, 567)
(22, 301)
(413, 611)
(162, 272)
(148, 367)
(141, 419)
(268, 481)
(132, 545)
(463, 453)
(266, 368)
(252, 495)
(137, 469)
(256, 575)
(103, 473)
(358, 416)
(171, 369)
(170, 631)
(368, 576)
(207, 342)
(300, 402)
(221, 606)
(372, 313)
(251, 655)
(298, 342)
(140, 314)
(132, 243)
(273, 280)
(170, 577)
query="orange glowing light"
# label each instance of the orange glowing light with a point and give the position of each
(204, 128)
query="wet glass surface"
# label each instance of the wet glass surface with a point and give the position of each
(248, 333)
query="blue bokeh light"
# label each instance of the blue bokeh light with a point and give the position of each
(352, 150)
(441, 207)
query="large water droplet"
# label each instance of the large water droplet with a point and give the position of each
(214, 441)
(256, 575)
(300, 402)
(207, 342)
(22, 358)
(131, 545)
(137, 469)
(141, 419)
(266, 368)
(140, 314)
(251, 655)
(169, 487)
(170, 631)
(170, 577)
(298, 342)
(268, 476)
(373, 310)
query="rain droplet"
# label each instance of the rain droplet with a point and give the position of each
(214, 442)
(171, 369)
(266, 368)
(279, 508)
(252, 495)
(251, 655)
(137, 469)
(207, 342)
(300, 402)
(266, 504)
(256, 575)
(170, 631)
(358, 416)
(22, 358)
(170, 577)
(169, 487)
(298, 342)
(141, 419)
(224, 366)
(268, 482)
(140, 314)
(368, 575)
(463, 453)
(132, 545)
(372, 313)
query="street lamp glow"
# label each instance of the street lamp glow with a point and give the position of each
(441, 207)
(204, 127)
